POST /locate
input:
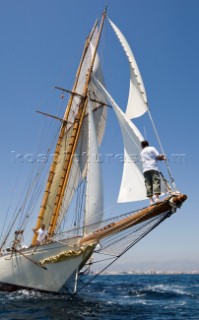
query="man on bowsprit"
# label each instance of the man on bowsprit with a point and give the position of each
(149, 157)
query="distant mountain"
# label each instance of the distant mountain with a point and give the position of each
(156, 266)
(172, 265)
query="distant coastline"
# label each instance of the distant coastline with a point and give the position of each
(149, 272)
(169, 267)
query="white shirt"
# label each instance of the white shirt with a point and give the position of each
(148, 157)
(41, 235)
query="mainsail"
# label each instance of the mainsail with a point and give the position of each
(94, 191)
(79, 167)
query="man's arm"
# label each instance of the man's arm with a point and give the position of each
(161, 157)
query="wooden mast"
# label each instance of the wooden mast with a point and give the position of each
(74, 136)
(60, 138)
(73, 140)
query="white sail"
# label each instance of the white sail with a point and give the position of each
(79, 166)
(96, 67)
(94, 191)
(132, 186)
(137, 100)
(82, 76)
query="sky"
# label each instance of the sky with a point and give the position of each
(41, 44)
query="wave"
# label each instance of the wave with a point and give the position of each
(109, 297)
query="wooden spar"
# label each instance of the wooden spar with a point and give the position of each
(69, 91)
(78, 94)
(61, 136)
(74, 137)
(51, 116)
(139, 217)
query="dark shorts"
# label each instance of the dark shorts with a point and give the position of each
(152, 182)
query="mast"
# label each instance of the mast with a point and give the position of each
(73, 138)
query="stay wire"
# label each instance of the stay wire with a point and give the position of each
(161, 148)
(123, 252)
(9, 206)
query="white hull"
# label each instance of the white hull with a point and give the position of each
(17, 271)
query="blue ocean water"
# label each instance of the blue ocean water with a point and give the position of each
(111, 297)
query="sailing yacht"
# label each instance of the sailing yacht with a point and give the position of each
(55, 265)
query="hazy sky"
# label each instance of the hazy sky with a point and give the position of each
(41, 43)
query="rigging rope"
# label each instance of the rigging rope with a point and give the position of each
(161, 148)
(33, 191)
(130, 245)
(8, 210)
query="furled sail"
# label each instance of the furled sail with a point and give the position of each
(94, 191)
(137, 100)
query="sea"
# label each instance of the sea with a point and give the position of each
(111, 297)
